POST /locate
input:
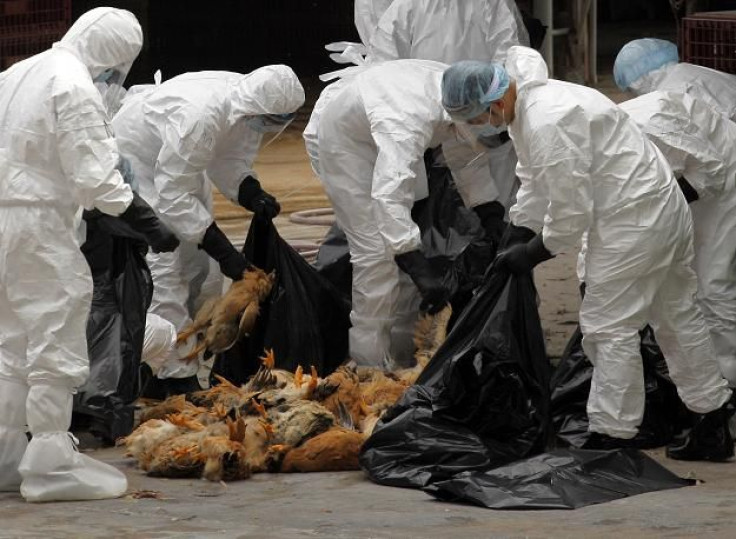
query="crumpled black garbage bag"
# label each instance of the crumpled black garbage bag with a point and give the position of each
(116, 326)
(560, 479)
(305, 319)
(452, 239)
(473, 427)
(664, 414)
(481, 402)
(333, 260)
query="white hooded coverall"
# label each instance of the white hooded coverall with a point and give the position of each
(371, 138)
(715, 88)
(180, 136)
(448, 31)
(367, 14)
(585, 166)
(56, 153)
(698, 143)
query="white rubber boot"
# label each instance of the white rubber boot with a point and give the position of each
(52, 468)
(13, 439)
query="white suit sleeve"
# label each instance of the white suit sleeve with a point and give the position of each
(233, 160)
(686, 141)
(187, 149)
(400, 156)
(562, 164)
(87, 149)
(531, 201)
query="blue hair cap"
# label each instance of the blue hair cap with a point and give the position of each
(640, 57)
(469, 87)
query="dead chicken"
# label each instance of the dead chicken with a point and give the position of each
(179, 456)
(297, 421)
(302, 387)
(429, 334)
(334, 450)
(225, 456)
(176, 404)
(221, 323)
(144, 439)
(382, 390)
(167, 447)
(342, 388)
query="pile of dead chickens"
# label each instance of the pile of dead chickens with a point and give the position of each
(278, 421)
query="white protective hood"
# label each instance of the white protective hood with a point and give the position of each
(527, 67)
(273, 89)
(103, 38)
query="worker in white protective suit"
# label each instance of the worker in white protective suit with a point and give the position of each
(698, 144)
(648, 64)
(181, 136)
(57, 153)
(367, 13)
(471, 30)
(370, 141)
(586, 167)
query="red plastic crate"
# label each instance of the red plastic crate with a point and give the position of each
(28, 27)
(709, 39)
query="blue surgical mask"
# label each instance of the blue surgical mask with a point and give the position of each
(269, 123)
(490, 130)
(104, 76)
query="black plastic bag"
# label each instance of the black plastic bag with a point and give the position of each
(452, 239)
(473, 427)
(664, 414)
(333, 260)
(560, 479)
(115, 328)
(305, 319)
(481, 402)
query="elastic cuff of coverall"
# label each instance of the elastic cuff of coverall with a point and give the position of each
(702, 404)
(621, 434)
(70, 382)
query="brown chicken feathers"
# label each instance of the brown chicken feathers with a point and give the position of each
(221, 322)
(277, 421)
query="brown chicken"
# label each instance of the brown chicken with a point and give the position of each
(225, 456)
(429, 334)
(176, 404)
(297, 421)
(169, 447)
(336, 449)
(381, 390)
(342, 388)
(220, 324)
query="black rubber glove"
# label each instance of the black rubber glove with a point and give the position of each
(518, 234)
(215, 243)
(141, 218)
(691, 195)
(255, 199)
(523, 257)
(435, 295)
(491, 217)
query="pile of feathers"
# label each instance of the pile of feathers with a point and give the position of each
(277, 421)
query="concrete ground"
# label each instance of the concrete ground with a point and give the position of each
(347, 505)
